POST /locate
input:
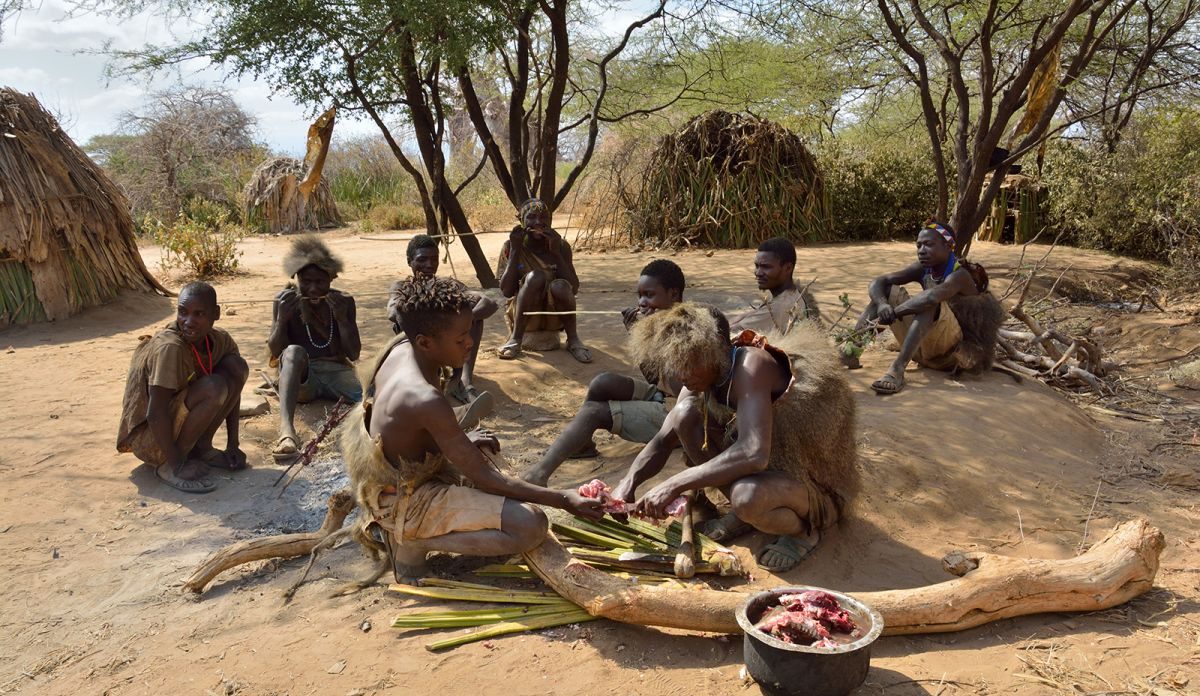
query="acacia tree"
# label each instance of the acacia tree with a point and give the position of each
(421, 60)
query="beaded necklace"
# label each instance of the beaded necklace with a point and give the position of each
(208, 347)
(319, 346)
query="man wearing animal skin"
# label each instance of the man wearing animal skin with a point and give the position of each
(927, 325)
(408, 456)
(314, 338)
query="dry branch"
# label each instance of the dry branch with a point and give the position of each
(279, 546)
(990, 587)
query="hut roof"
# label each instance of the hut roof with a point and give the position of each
(66, 235)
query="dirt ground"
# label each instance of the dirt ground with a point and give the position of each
(93, 550)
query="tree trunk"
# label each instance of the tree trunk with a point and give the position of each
(989, 587)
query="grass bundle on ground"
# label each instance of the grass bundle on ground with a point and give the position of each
(66, 235)
(273, 202)
(731, 180)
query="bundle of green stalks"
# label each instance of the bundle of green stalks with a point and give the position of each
(526, 611)
(732, 181)
(600, 543)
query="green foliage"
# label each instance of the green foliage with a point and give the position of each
(363, 173)
(1143, 199)
(392, 216)
(879, 190)
(203, 240)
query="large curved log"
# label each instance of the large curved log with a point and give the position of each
(278, 546)
(990, 587)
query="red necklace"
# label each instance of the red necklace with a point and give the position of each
(208, 347)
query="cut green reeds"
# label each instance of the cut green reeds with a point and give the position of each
(504, 570)
(515, 626)
(477, 617)
(491, 594)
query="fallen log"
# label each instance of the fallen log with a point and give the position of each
(278, 546)
(990, 587)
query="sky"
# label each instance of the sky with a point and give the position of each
(44, 51)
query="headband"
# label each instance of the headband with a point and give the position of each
(942, 230)
(533, 205)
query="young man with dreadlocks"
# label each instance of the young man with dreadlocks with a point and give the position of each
(537, 274)
(424, 484)
(182, 384)
(950, 325)
(633, 408)
(784, 304)
(767, 424)
(423, 260)
(314, 338)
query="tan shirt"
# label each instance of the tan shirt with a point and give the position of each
(165, 360)
(775, 315)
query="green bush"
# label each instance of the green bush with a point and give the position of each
(203, 240)
(395, 217)
(363, 173)
(1142, 199)
(879, 190)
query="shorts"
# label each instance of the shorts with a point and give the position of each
(436, 508)
(639, 419)
(937, 349)
(330, 380)
(141, 441)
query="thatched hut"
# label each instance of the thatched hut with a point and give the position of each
(274, 203)
(1017, 213)
(66, 235)
(731, 180)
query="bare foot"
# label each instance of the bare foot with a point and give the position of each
(536, 476)
(408, 563)
(579, 351)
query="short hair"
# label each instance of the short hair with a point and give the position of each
(425, 306)
(686, 334)
(783, 249)
(201, 290)
(419, 242)
(667, 273)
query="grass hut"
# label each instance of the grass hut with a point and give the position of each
(731, 180)
(274, 203)
(1017, 213)
(66, 235)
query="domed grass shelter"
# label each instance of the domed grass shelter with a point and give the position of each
(731, 180)
(66, 234)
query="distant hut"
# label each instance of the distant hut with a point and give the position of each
(275, 204)
(731, 180)
(66, 235)
(1017, 213)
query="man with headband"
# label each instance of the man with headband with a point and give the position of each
(930, 326)
(537, 274)
(314, 338)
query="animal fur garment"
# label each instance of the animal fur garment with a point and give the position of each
(979, 317)
(673, 339)
(309, 250)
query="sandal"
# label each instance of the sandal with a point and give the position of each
(169, 477)
(282, 452)
(725, 528)
(509, 351)
(456, 390)
(888, 384)
(470, 414)
(789, 551)
(580, 352)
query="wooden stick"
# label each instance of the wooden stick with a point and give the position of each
(989, 587)
(279, 546)
(572, 312)
(685, 562)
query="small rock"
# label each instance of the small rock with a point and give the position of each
(253, 404)
(53, 553)
(11, 350)
(356, 692)
(231, 312)
(365, 626)
(620, 647)
(337, 667)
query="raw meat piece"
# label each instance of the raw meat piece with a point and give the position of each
(599, 490)
(822, 607)
(808, 618)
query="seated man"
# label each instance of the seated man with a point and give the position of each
(785, 304)
(630, 407)
(770, 426)
(182, 384)
(407, 456)
(423, 261)
(950, 325)
(537, 274)
(314, 338)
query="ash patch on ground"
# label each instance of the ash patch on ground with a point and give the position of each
(302, 506)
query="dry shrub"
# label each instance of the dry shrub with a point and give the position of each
(401, 216)
(202, 241)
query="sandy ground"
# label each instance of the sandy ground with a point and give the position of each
(93, 550)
